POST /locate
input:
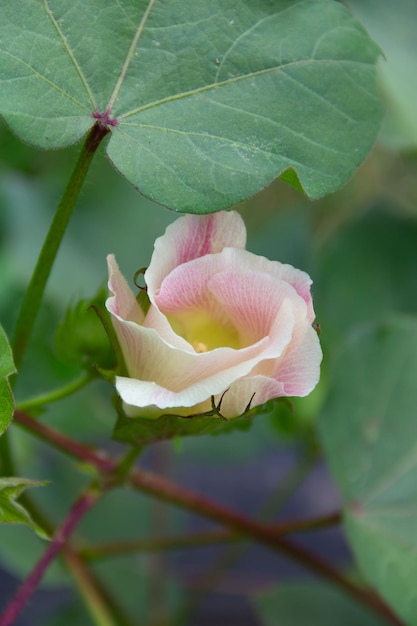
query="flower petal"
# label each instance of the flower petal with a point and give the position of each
(157, 320)
(252, 390)
(186, 286)
(169, 377)
(191, 237)
(299, 368)
(123, 302)
(254, 301)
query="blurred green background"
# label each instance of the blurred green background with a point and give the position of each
(359, 246)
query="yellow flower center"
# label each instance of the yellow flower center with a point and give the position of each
(203, 332)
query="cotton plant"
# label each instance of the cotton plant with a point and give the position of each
(200, 106)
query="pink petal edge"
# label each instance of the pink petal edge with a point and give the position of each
(191, 237)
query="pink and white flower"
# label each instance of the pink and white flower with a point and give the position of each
(222, 322)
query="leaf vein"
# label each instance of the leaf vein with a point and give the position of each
(70, 54)
(225, 139)
(129, 19)
(230, 81)
(320, 97)
(158, 158)
(129, 56)
(249, 30)
(45, 79)
(279, 125)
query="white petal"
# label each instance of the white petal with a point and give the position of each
(168, 377)
(123, 302)
(253, 390)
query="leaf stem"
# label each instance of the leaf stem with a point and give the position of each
(279, 497)
(197, 540)
(170, 492)
(101, 461)
(102, 608)
(33, 296)
(56, 394)
(78, 510)
(130, 55)
(6, 459)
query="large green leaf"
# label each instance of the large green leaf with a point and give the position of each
(207, 101)
(311, 605)
(366, 271)
(11, 512)
(6, 369)
(392, 24)
(369, 430)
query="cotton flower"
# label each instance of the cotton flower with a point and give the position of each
(222, 323)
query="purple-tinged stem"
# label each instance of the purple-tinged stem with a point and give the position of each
(80, 451)
(17, 603)
(179, 496)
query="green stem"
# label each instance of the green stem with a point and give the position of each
(157, 544)
(197, 540)
(101, 606)
(6, 459)
(170, 492)
(82, 505)
(126, 463)
(276, 501)
(33, 296)
(57, 394)
(154, 485)
(211, 578)
(101, 461)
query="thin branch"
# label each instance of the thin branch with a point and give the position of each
(170, 492)
(179, 496)
(34, 293)
(72, 448)
(56, 394)
(77, 512)
(198, 540)
(100, 604)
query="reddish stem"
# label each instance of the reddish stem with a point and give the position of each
(79, 509)
(197, 540)
(267, 535)
(80, 451)
(170, 492)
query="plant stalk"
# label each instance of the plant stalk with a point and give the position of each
(170, 492)
(198, 540)
(100, 605)
(33, 296)
(17, 603)
(101, 461)
(56, 394)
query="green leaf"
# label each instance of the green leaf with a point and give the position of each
(369, 431)
(6, 369)
(206, 102)
(139, 431)
(311, 605)
(365, 272)
(11, 512)
(392, 24)
(80, 338)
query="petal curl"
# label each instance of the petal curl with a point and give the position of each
(251, 389)
(299, 368)
(254, 301)
(165, 376)
(123, 302)
(191, 237)
(185, 286)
